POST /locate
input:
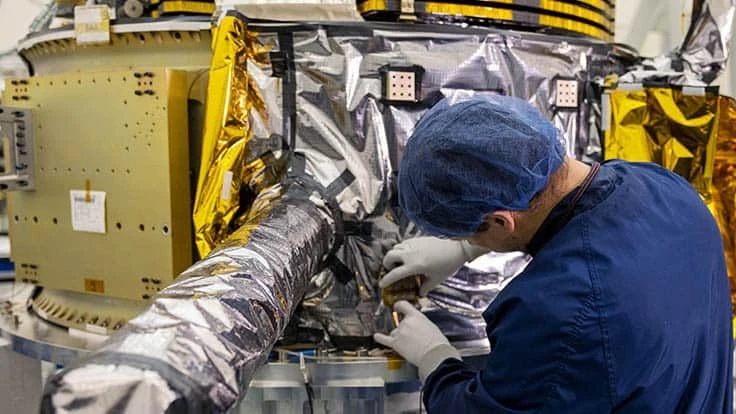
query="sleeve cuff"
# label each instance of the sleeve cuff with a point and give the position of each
(432, 359)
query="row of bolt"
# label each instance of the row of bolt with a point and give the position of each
(7, 311)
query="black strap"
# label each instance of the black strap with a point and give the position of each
(282, 64)
(579, 194)
(288, 98)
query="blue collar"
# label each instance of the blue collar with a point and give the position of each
(581, 199)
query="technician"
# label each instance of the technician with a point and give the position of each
(625, 306)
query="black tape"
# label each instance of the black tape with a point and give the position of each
(298, 166)
(297, 173)
(341, 183)
(342, 273)
(288, 98)
(352, 342)
(358, 228)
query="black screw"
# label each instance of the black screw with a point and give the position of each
(139, 93)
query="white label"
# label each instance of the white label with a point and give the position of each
(693, 91)
(630, 86)
(87, 336)
(96, 329)
(606, 112)
(227, 180)
(88, 211)
(92, 24)
(407, 6)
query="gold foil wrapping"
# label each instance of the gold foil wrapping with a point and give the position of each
(694, 136)
(667, 127)
(723, 204)
(233, 99)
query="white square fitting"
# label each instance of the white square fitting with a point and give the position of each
(566, 95)
(401, 86)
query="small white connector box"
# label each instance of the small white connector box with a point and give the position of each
(566, 93)
(401, 86)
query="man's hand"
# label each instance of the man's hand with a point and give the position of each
(418, 340)
(436, 259)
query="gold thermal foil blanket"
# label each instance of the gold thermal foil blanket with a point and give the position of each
(667, 127)
(723, 203)
(233, 100)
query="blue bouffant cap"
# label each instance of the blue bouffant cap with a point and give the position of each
(475, 157)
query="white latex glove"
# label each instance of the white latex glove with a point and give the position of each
(418, 340)
(436, 259)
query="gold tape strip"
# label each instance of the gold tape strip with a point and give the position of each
(469, 11)
(495, 13)
(573, 10)
(600, 5)
(187, 7)
(371, 6)
(577, 27)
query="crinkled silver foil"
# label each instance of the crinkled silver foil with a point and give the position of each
(703, 55)
(457, 305)
(216, 324)
(705, 48)
(128, 388)
(343, 124)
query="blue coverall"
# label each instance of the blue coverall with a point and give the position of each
(624, 308)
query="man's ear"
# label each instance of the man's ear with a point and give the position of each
(501, 222)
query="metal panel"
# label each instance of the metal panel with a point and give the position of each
(17, 142)
(124, 133)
